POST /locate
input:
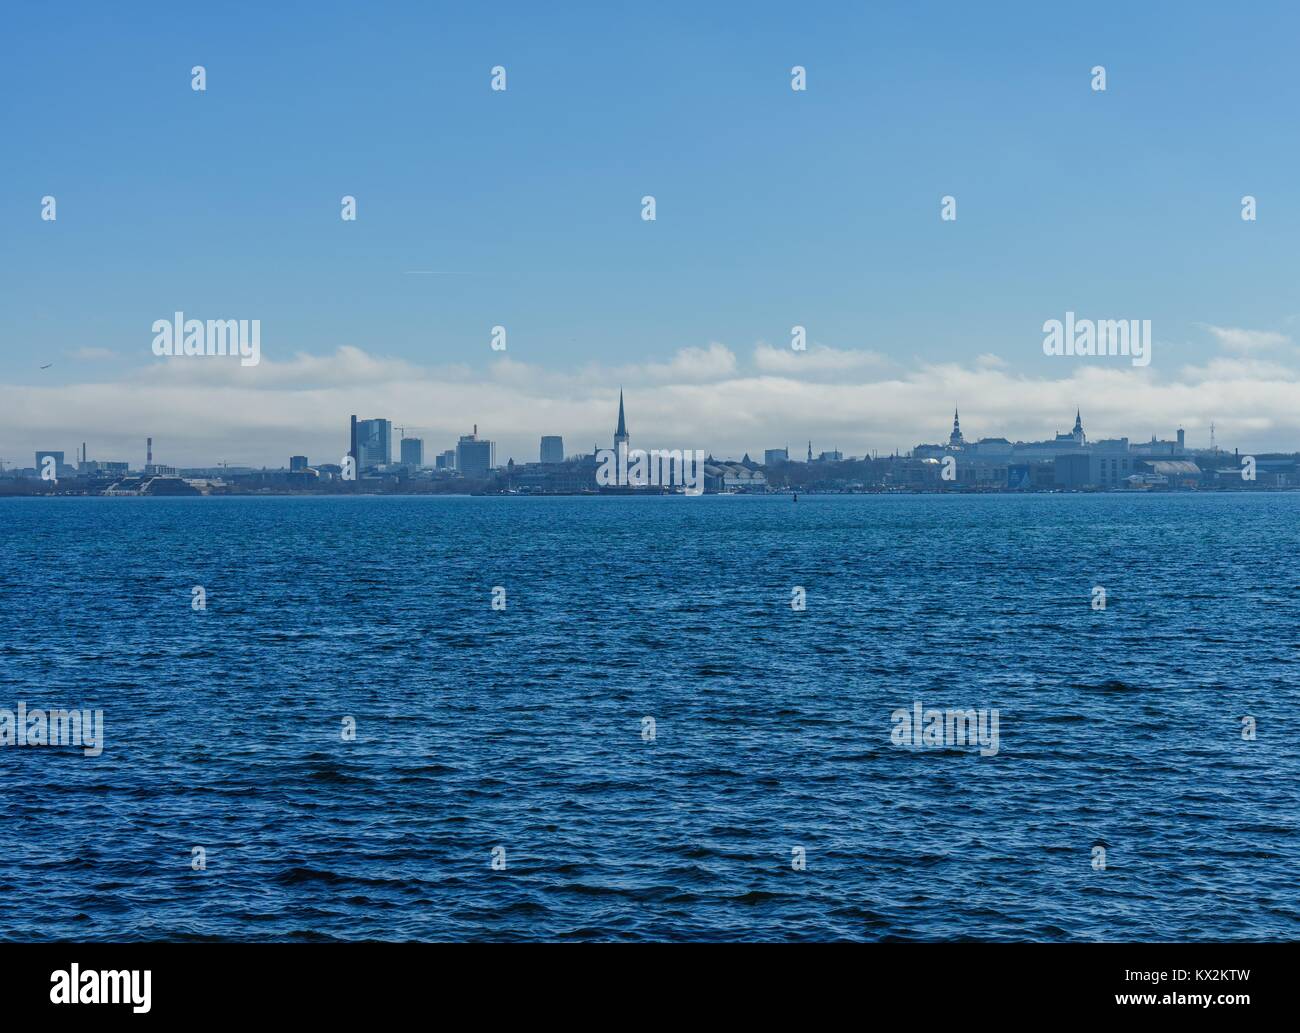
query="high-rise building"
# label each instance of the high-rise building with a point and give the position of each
(297, 463)
(445, 460)
(412, 451)
(775, 456)
(552, 449)
(475, 458)
(374, 444)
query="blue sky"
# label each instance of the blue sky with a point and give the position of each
(775, 208)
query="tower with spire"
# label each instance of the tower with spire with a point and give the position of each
(810, 451)
(1077, 433)
(955, 440)
(620, 435)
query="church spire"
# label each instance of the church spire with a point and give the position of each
(955, 437)
(620, 435)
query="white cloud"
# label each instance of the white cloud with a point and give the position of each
(348, 365)
(692, 365)
(1238, 340)
(818, 359)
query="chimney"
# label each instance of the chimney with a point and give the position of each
(148, 447)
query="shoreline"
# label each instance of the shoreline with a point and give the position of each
(1127, 492)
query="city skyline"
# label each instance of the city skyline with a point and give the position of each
(371, 442)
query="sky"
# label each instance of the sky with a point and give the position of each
(522, 208)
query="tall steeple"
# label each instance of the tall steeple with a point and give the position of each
(810, 451)
(955, 437)
(1078, 426)
(620, 435)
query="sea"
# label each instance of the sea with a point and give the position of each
(654, 719)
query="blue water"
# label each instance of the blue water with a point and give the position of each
(522, 728)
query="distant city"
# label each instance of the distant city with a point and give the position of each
(1068, 461)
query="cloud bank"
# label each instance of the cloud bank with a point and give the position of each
(203, 410)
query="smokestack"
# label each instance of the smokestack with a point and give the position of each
(148, 448)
